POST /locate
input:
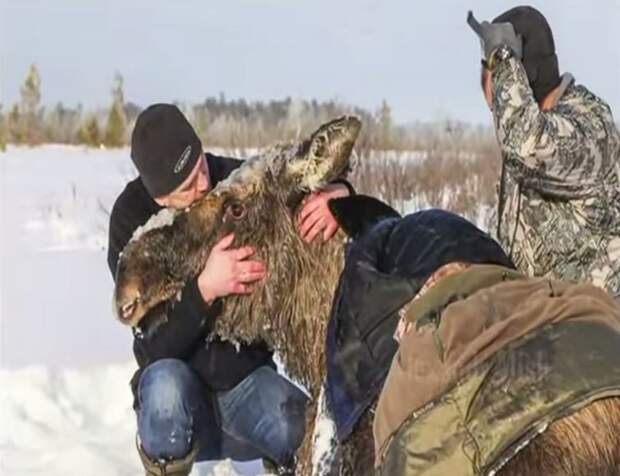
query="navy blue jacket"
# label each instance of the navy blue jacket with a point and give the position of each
(387, 262)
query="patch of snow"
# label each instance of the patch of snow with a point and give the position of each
(324, 441)
(57, 422)
(57, 198)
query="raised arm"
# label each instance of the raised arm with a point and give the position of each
(557, 144)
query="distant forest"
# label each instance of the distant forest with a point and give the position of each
(221, 122)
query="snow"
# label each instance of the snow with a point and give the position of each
(75, 421)
(324, 438)
(65, 363)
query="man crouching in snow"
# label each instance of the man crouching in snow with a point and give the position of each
(198, 400)
(559, 193)
(502, 374)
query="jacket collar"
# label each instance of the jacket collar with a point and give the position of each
(567, 80)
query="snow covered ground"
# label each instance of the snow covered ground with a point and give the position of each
(65, 364)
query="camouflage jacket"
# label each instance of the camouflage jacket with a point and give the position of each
(559, 194)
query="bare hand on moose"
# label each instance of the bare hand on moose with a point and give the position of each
(315, 217)
(229, 271)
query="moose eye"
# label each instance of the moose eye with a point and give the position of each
(236, 210)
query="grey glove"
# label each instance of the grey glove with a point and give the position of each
(494, 35)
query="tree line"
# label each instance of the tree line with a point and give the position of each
(28, 122)
(220, 122)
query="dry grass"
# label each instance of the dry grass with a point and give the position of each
(461, 179)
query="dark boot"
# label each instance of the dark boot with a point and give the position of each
(176, 467)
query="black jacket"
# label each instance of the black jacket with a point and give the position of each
(183, 334)
(387, 261)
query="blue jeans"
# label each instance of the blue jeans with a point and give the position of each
(263, 416)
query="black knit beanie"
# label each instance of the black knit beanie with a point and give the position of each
(164, 148)
(539, 58)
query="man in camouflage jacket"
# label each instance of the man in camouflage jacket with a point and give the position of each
(559, 193)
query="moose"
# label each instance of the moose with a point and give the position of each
(291, 308)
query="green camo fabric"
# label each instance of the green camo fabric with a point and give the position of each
(504, 402)
(559, 201)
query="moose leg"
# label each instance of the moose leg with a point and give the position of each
(304, 453)
(358, 451)
(319, 452)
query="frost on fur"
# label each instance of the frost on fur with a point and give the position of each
(164, 217)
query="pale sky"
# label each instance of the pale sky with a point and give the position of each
(420, 56)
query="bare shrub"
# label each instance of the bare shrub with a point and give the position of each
(459, 175)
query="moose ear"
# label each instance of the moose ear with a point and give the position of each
(309, 169)
(325, 154)
(358, 213)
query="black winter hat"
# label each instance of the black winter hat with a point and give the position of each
(539, 58)
(164, 148)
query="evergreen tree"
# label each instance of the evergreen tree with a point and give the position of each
(385, 126)
(89, 133)
(14, 125)
(3, 131)
(117, 121)
(29, 111)
(62, 123)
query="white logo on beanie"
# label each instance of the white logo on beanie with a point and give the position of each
(182, 162)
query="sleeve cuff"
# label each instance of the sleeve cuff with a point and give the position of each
(195, 298)
(346, 184)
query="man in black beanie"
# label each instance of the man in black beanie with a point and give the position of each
(198, 400)
(559, 192)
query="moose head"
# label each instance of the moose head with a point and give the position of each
(257, 202)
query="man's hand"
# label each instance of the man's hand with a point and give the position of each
(315, 216)
(228, 271)
(495, 35)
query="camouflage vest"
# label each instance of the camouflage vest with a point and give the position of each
(501, 403)
(478, 425)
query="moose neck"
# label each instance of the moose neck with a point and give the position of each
(291, 310)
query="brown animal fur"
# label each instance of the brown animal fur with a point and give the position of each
(585, 443)
(290, 313)
(290, 309)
